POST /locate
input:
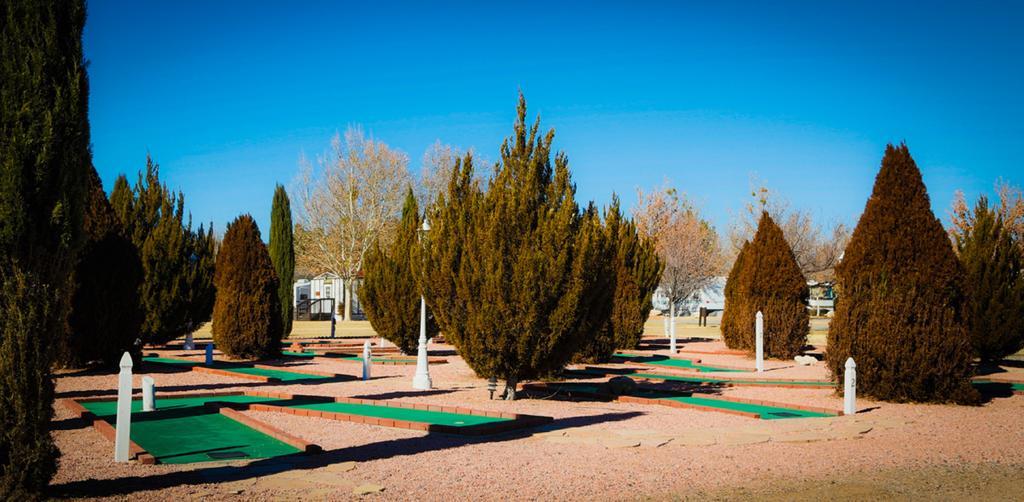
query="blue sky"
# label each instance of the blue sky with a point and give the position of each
(225, 95)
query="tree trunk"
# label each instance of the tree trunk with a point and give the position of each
(347, 288)
(510, 390)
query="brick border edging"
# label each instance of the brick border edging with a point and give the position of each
(684, 369)
(289, 369)
(760, 402)
(678, 404)
(106, 430)
(303, 445)
(515, 421)
(783, 383)
(199, 368)
(409, 362)
(645, 400)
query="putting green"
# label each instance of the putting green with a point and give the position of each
(346, 357)
(697, 379)
(182, 431)
(407, 414)
(658, 360)
(282, 375)
(766, 412)
(995, 384)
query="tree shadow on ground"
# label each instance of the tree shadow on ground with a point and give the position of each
(402, 394)
(266, 467)
(240, 386)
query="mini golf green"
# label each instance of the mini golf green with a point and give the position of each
(347, 357)
(983, 383)
(765, 411)
(698, 379)
(281, 375)
(658, 360)
(406, 414)
(182, 431)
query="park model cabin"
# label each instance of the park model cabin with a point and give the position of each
(317, 298)
(821, 301)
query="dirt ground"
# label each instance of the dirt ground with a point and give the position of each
(593, 450)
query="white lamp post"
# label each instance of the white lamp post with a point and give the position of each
(421, 381)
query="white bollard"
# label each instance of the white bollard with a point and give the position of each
(672, 329)
(209, 354)
(759, 334)
(850, 387)
(122, 436)
(366, 360)
(148, 393)
(189, 343)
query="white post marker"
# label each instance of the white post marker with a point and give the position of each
(366, 360)
(122, 436)
(759, 334)
(189, 343)
(850, 387)
(672, 328)
(209, 354)
(421, 381)
(148, 393)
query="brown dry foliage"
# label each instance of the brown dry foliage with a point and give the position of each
(901, 309)
(247, 313)
(767, 279)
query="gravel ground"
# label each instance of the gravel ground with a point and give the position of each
(593, 450)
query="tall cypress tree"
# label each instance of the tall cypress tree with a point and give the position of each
(994, 285)
(390, 292)
(105, 313)
(519, 260)
(282, 253)
(44, 164)
(900, 312)
(177, 290)
(246, 314)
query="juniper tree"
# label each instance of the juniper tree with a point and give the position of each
(900, 313)
(509, 270)
(390, 292)
(246, 314)
(993, 282)
(282, 253)
(632, 271)
(177, 290)
(105, 313)
(769, 281)
(44, 163)
(737, 312)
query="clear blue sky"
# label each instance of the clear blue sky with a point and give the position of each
(225, 95)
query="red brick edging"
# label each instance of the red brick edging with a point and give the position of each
(106, 430)
(515, 421)
(782, 383)
(541, 386)
(274, 432)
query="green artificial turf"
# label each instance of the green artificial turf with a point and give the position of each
(658, 360)
(182, 431)
(282, 375)
(982, 383)
(698, 379)
(407, 414)
(766, 412)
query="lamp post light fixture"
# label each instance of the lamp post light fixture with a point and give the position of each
(421, 381)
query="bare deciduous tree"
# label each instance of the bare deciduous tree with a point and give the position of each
(353, 197)
(1010, 209)
(816, 249)
(687, 244)
(436, 172)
